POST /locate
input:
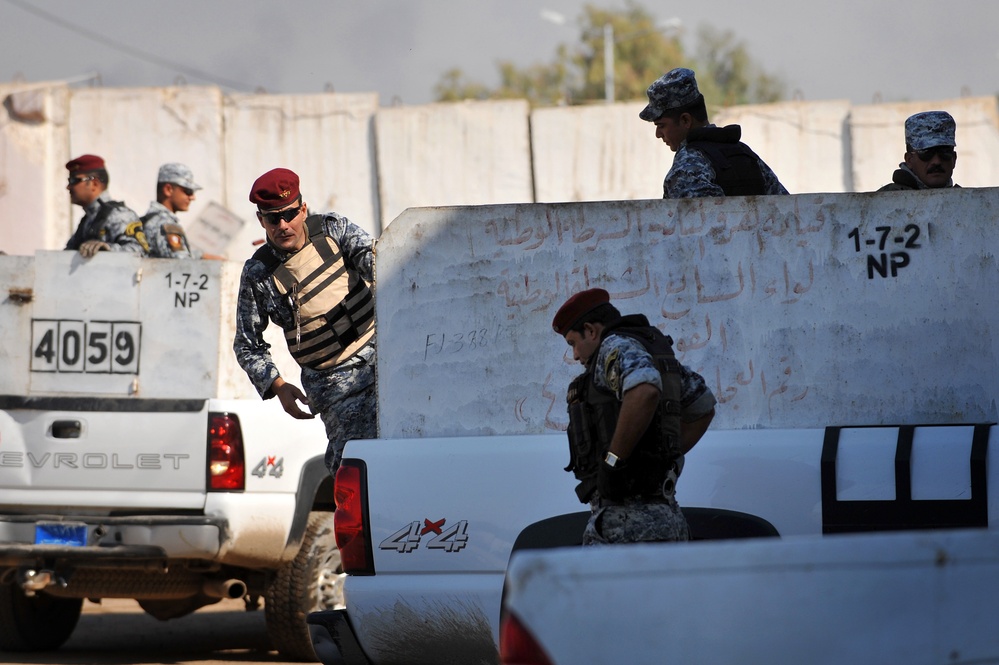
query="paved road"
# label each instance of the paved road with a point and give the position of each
(118, 632)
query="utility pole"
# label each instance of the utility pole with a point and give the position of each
(608, 63)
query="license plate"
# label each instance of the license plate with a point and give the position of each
(73, 534)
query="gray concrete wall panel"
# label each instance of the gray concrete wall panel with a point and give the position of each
(327, 139)
(805, 143)
(596, 153)
(136, 130)
(34, 206)
(470, 153)
(799, 311)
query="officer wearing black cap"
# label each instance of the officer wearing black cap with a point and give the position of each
(106, 226)
(709, 160)
(930, 157)
(633, 415)
(312, 278)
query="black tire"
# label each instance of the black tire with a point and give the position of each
(312, 581)
(35, 623)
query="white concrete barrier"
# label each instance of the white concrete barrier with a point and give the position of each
(469, 153)
(800, 311)
(136, 130)
(327, 139)
(34, 205)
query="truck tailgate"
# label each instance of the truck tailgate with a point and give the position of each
(95, 448)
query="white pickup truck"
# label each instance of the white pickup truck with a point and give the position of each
(136, 461)
(849, 339)
(914, 597)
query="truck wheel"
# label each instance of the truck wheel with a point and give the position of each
(312, 581)
(36, 623)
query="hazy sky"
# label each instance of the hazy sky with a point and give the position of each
(860, 50)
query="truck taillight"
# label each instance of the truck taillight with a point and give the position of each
(226, 466)
(350, 520)
(518, 646)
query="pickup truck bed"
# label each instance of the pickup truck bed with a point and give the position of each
(434, 561)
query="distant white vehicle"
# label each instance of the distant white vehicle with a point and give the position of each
(912, 598)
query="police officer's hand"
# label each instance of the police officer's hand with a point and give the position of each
(91, 247)
(290, 395)
(612, 481)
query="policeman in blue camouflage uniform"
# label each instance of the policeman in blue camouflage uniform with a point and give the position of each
(633, 415)
(930, 157)
(312, 279)
(709, 160)
(106, 226)
(175, 188)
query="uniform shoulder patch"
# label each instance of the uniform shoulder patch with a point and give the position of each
(612, 370)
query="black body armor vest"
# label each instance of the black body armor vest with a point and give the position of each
(737, 167)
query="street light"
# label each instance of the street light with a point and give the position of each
(671, 24)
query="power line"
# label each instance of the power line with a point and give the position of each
(128, 50)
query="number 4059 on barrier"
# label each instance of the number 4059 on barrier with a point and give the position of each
(93, 347)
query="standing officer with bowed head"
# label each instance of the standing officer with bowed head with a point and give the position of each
(633, 415)
(930, 157)
(311, 278)
(709, 160)
(106, 225)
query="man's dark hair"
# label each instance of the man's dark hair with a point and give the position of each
(160, 194)
(603, 313)
(102, 176)
(697, 109)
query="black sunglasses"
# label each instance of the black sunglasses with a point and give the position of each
(275, 218)
(76, 180)
(945, 153)
(187, 190)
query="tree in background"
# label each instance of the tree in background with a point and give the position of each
(726, 73)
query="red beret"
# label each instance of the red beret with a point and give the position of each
(277, 188)
(575, 307)
(85, 164)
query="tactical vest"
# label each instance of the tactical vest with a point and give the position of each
(104, 210)
(174, 233)
(737, 167)
(334, 309)
(594, 411)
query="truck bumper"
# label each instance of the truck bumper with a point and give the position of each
(101, 539)
(334, 639)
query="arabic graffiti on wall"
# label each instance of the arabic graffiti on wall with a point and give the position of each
(796, 310)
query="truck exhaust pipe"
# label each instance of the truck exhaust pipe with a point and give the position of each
(230, 589)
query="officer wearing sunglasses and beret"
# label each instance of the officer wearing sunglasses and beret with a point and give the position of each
(106, 226)
(929, 153)
(313, 278)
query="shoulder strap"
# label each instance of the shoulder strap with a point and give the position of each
(315, 226)
(265, 255)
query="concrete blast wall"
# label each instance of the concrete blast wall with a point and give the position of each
(802, 311)
(372, 163)
(470, 153)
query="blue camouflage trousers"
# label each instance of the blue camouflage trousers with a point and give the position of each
(636, 521)
(345, 399)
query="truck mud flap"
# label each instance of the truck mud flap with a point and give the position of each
(904, 512)
(333, 638)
